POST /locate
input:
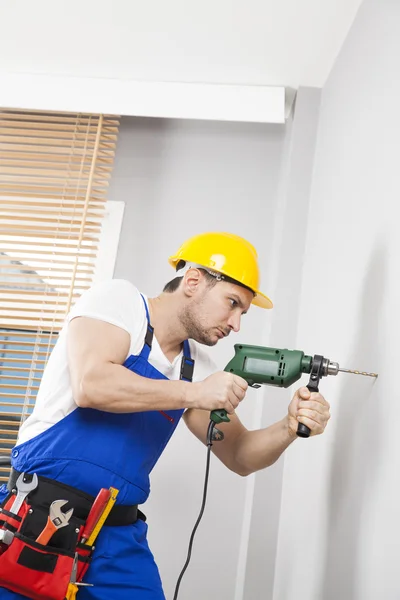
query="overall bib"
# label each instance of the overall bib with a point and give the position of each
(90, 450)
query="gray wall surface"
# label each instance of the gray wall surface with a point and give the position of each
(339, 527)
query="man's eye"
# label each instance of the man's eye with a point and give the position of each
(233, 302)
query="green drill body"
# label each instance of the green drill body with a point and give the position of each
(260, 365)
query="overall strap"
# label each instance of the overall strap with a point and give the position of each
(187, 364)
(148, 340)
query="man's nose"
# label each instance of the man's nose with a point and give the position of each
(234, 323)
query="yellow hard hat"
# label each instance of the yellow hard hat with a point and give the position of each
(228, 254)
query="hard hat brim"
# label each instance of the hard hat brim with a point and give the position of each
(262, 300)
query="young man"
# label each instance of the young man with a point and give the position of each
(117, 384)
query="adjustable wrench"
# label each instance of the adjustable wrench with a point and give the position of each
(23, 489)
(56, 520)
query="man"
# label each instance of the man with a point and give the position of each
(117, 384)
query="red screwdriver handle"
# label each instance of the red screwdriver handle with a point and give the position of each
(95, 512)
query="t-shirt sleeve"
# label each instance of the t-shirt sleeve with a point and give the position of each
(117, 302)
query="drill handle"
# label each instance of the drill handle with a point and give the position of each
(302, 430)
(316, 374)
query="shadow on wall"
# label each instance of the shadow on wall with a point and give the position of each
(357, 455)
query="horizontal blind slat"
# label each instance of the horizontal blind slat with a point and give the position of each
(106, 151)
(27, 160)
(48, 116)
(61, 133)
(46, 235)
(42, 244)
(65, 196)
(53, 261)
(22, 344)
(52, 126)
(60, 220)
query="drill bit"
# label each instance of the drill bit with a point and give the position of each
(359, 372)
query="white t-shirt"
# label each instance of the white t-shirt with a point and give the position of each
(117, 302)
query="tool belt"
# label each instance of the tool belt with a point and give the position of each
(41, 547)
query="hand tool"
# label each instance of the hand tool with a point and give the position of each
(279, 367)
(73, 587)
(6, 537)
(56, 520)
(103, 516)
(95, 512)
(23, 488)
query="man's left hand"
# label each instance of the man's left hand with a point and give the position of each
(309, 408)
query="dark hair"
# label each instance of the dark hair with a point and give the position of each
(173, 285)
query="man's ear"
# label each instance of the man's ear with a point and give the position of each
(191, 281)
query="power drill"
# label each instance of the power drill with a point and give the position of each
(260, 365)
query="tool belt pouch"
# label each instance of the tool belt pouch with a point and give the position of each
(36, 571)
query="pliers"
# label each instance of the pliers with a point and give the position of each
(73, 587)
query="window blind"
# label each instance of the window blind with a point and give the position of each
(54, 173)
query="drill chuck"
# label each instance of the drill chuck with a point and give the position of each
(329, 367)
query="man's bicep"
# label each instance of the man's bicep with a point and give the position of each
(92, 343)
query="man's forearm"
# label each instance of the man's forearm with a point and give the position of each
(259, 449)
(113, 388)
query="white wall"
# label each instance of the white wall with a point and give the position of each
(339, 527)
(179, 178)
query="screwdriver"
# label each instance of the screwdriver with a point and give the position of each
(103, 517)
(98, 506)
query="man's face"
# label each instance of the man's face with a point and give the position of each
(214, 312)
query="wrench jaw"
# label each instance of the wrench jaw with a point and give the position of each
(23, 489)
(68, 515)
(57, 516)
(24, 486)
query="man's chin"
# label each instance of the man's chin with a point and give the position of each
(209, 340)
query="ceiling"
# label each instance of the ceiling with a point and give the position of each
(254, 42)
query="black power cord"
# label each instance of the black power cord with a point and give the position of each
(209, 444)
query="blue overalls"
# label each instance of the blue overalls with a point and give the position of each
(90, 450)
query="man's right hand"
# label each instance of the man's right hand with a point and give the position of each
(218, 391)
